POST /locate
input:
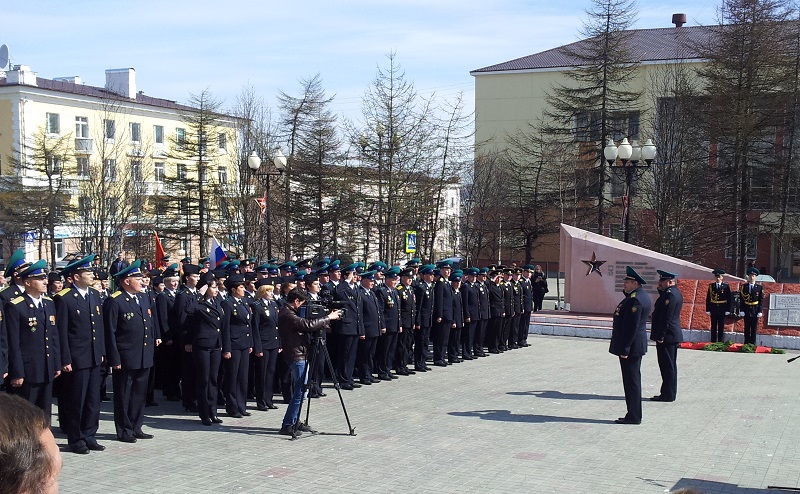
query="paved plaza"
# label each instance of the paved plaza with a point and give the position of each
(533, 420)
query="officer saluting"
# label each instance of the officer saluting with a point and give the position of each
(130, 343)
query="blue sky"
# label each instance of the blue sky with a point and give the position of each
(180, 47)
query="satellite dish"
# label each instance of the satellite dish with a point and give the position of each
(3, 56)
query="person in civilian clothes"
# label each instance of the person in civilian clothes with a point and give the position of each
(527, 305)
(349, 328)
(457, 323)
(265, 325)
(666, 332)
(539, 282)
(408, 313)
(718, 305)
(484, 313)
(80, 326)
(34, 353)
(422, 329)
(389, 304)
(237, 345)
(752, 297)
(629, 342)
(131, 339)
(374, 326)
(204, 321)
(442, 313)
(469, 300)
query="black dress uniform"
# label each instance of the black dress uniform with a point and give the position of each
(629, 343)
(237, 339)
(34, 350)
(265, 324)
(666, 332)
(442, 319)
(752, 302)
(79, 317)
(484, 314)
(168, 354)
(469, 300)
(203, 330)
(422, 331)
(130, 343)
(347, 331)
(718, 303)
(389, 304)
(184, 300)
(373, 326)
(527, 308)
(457, 323)
(508, 308)
(405, 340)
(498, 312)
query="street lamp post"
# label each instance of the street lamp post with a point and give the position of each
(254, 163)
(630, 155)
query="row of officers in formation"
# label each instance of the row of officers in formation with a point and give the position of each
(629, 334)
(210, 337)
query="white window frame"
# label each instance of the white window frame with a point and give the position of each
(158, 133)
(53, 123)
(81, 128)
(136, 132)
(159, 171)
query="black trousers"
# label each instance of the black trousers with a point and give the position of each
(632, 384)
(538, 298)
(524, 326)
(511, 333)
(668, 364)
(440, 334)
(130, 390)
(468, 338)
(385, 353)
(80, 401)
(235, 386)
(717, 327)
(366, 352)
(750, 329)
(168, 371)
(205, 364)
(454, 343)
(188, 384)
(480, 336)
(421, 339)
(493, 332)
(265, 377)
(39, 394)
(346, 354)
(504, 332)
(405, 341)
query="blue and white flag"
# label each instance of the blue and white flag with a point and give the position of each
(217, 254)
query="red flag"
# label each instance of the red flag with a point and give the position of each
(262, 203)
(159, 250)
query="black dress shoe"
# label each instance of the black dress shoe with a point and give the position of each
(314, 395)
(468, 357)
(384, 377)
(151, 404)
(81, 450)
(246, 413)
(401, 372)
(216, 420)
(262, 408)
(206, 422)
(323, 395)
(127, 439)
(355, 385)
(440, 363)
(375, 380)
(494, 350)
(272, 407)
(105, 398)
(348, 387)
(287, 431)
(409, 372)
(366, 382)
(623, 420)
(420, 369)
(95, 447)
(393, 376)
(236, 415)
(660, 398)
(142, 435)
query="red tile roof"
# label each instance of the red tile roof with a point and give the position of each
(646, 45)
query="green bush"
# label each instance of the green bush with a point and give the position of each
(748, 348)
(777, 350)
(716, 347)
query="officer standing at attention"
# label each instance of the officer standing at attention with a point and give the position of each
(666, 332)
(442, 314)
(408, 316)
(629, 342)
(424, 296)
(80, 325)
(130, 343)
(718, 303)
(237, 345)
(752, 297)
(34, 353)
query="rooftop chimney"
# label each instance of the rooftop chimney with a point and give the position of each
(21, 74)
(679, 19)
(122, 82)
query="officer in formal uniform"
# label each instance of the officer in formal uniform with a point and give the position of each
(471, 304)
(508, 307)
(718, 305)
(484, 313)
(666, 332)
(237, 345)
(752, 297)
(527, 305)
(457, 321)
(184, 299)
(408, 313)
(349, 328)
(389, 304)
(168, 355)
(374, 326)
(497, 309)
(33, 342)
(131, 339)
(629, 342)
(16, 287)
(79, 318)
(424, 322)
(442, 313)
(265, 325)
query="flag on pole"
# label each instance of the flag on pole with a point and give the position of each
(217, 253)
(262, 203)
(159, 250)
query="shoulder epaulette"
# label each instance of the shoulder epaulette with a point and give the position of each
(633, 294)
(18, 300)
(116, 294)
(47, 298)
(1, 289)
(400, 287)
(64, 292)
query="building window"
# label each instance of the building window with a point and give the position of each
(81, 127)
(751, 243)
(136, 171)
(110, 169)
(136, 132)
(58, 244)
(222, 142)
(158, 130)
(83, 166)
(223, 175)
(53, 123)
(158, 171)
(112, 204)
(53, 165)
(85, 206)
(109, 129)
(181, 171)
(180, 138)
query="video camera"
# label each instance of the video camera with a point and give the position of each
(338, 305)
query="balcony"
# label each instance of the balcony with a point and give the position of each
(83, 145)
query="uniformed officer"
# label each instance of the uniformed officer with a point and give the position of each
(497, 310)
(265, 324)
(33, 342)
(718, 305)
(442, 313)
(752, 297)
(408, 313)
(666, 332)
(484, 313)
(457, 322)
(508, 307)
(374, 326)
(237, 345)
(16, 287)
(422, 329)
(349, 328)
(130, 343)
(389, 304)
(629, 342)
(470, 302)
(80, 325)
(184, 299)
(527, 305)
(168, 355)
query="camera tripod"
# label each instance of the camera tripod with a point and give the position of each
(318, 350)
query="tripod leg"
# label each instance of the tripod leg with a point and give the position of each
(329, 363)
(304, 388)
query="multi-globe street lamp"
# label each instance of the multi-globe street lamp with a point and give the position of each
(629, 155)
(254, 163)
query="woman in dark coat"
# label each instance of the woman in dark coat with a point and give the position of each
(265, 326)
